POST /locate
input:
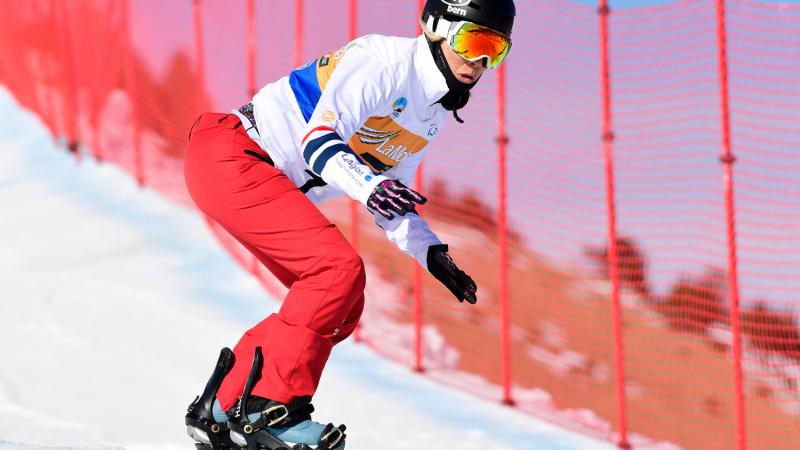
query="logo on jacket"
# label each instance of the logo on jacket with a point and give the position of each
(399, 106)
(380, 139)
(329, 116)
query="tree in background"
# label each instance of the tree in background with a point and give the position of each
(178, 94)
(770, 330)
(696, 301)
(631, 264)
(465, 208)
(168, 106)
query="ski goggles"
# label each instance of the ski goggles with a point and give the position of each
(473, 42)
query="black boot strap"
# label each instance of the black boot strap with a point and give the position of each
(331, 437)
(280, 415)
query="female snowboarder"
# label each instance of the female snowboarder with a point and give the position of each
(357, 122)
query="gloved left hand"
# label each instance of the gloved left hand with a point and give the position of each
(392, 196)
(441, 266)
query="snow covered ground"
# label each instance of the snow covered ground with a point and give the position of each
(115, 304)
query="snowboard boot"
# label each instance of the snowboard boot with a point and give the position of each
(211, 433)
(263, 424)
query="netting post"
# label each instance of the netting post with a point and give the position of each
(56, 97)
(299, 12)
(46, 98)
(94, 106)
(70, 105)
(251, 48)
(502, 236)
(131, 88)
(728, 159)
(200, 60)
(352, 29)
(613, 258)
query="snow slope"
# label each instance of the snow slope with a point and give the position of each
(115, 304)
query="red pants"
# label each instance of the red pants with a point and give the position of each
(268, 214)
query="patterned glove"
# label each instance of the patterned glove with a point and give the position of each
(391, 196)
(441, 266)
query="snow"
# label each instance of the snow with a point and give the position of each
(115, 303)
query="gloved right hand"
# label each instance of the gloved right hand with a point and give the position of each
(392, 196)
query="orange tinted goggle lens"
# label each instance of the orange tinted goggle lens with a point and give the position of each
(474, 42)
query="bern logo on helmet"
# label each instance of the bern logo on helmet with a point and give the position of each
(459, 11)
(456, 2)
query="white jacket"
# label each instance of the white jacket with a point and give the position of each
(356, 117)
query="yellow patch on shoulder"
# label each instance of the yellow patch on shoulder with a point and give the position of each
(325, 67)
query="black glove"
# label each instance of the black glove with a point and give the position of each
(441, 265)
(392, 196)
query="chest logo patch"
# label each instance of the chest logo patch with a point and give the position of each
(399, 106)
(382, 143)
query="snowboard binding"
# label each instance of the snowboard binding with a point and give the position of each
(258, 434)
(200, 424)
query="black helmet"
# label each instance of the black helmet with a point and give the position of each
(495, 14)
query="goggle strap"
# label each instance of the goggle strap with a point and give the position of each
(442, 26)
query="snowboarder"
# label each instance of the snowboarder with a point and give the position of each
(356, 121)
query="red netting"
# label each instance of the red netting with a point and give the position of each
(670, 205)
(125, 80)
(764, 42)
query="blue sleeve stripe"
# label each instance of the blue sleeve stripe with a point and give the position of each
(313, 145)
(305, 87)
(327, 154)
